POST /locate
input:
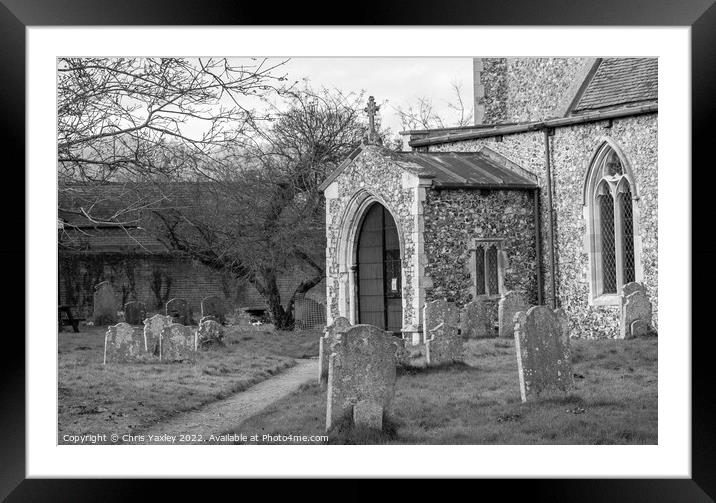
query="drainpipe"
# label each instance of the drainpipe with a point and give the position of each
(538, 243)
(550, 217)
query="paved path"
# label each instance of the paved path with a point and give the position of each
(221, 416)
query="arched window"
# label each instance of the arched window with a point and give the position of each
(611, 228)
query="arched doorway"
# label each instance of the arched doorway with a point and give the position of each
(379, 288)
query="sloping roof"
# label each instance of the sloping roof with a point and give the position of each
(619, 81)
(483, 169)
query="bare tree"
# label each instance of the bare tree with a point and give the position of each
(132, 119)
(258, 213)
(422, 115)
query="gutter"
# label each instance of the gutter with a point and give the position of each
(537, 126)
(550, 218)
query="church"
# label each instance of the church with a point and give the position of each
(552, 192)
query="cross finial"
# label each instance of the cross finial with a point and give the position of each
(371, 109)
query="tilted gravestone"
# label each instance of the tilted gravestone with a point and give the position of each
(153, 331)
(105, 304)
(214, 306)
(445, 346)
(210, 333)
(636, 316)
(179, 310)
(475, 320)
(177, 343)
(324, 346)
(361, 376)
(123, 343)
(510, 303)
(543, 355)
(134, 312)
(438, 312)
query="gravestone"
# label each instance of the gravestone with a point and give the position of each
(210, 333)
(402, 352)
(542, 347)
(324, 346)
(636, 308)
(179, 310)
(438, 312)
(123, 343)
(214, 306)
(361, 376)
(105, 304)
(134, 312)
(153, 331)
(510, 303)
(444, 346)
(177, 343)
(630, 288)
(208, 318)
(475, 320)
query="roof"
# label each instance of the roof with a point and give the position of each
(484, 169)
(619, 81)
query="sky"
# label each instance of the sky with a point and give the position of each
(394, 82)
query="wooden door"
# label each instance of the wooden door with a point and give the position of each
(379, 271)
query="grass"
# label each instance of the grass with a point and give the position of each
(614, 401)
(94, 398)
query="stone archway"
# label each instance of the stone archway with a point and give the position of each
(347, 253)
(378, 270)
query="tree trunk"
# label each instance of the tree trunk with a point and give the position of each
(280, 317)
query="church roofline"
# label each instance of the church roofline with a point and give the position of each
(459, 134)
(484, 169)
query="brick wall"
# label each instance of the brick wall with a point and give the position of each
(154, 279)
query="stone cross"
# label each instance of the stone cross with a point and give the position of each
(371, 109)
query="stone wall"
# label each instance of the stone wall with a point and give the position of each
(372, 175)
(454, 218)
(571, 151)
(524, 89)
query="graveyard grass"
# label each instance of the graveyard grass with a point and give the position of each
(94, 398)
(614, 401)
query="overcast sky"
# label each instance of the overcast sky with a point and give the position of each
(393, 81)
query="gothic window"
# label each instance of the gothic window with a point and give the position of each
(611, 211)
(487, 268)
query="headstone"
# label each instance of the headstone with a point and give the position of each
(369, 414)
(324, 346)
(637, 307)
(153, 331)
(444, 346)
(208, 318)
(123, 343)
(361, 376)
(214, 306)
(475, 320)
(510, 303)
(105, 304)
(177, 343)
(210, 333)
(179, 310)
(630, 288)
(438, 312)
(542, 347)
(402, 352)
(134, 312)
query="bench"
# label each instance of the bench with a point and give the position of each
(70, 320)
